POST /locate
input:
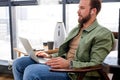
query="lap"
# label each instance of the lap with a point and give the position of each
(24, 60)
(40, 68)
(42, 72)
(31, 68)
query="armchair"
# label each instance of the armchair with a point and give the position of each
(99, 68)
(81, 71)
(102, 69)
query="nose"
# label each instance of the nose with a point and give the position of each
(78, 11)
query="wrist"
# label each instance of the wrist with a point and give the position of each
(49, 56)
(71, 65)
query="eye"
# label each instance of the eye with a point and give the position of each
(81, 7)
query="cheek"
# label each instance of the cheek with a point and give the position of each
(81, 13)
(85, 11)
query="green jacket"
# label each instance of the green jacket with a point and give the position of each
(95, 44)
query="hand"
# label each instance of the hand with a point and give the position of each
(58, 63)
(42, 54)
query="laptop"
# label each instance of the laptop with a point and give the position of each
(31, 52)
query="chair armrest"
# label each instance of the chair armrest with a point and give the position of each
(52, 51)
(19, 52)
(49, 51)
(82, 71)
(78, 70)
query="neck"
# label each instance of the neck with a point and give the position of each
(87, 24)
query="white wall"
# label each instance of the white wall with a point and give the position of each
(108, 16)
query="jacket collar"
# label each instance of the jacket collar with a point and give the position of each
(92, 26)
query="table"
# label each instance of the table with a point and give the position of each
(112, 61)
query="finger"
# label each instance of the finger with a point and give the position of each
(38, 52)
(52, 62)
(55, 66)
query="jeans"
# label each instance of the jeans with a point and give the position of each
(25, 68)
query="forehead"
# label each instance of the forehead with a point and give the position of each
(84, 3)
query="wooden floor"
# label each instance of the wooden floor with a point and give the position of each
(10, 77)
(6, 77)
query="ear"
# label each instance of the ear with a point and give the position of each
(93, 11)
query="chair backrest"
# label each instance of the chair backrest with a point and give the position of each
(115, 46)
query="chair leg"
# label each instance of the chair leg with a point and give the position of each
(19, 54)
(81, 76)
(116, 76)
(103, 74)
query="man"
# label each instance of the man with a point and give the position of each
(86, 45)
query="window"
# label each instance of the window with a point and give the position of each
(37, 23)
(5, 48)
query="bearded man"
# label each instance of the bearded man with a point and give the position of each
(86, 45)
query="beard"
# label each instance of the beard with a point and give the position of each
(85, 19)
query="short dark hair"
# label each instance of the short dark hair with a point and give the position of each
(96, 4)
